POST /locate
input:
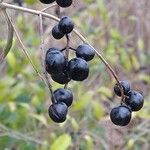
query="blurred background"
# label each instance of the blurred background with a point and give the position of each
(118, 29)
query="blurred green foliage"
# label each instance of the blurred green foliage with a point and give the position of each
(115, 29)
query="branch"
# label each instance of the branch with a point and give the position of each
(24, 48)
(21, 136)
(43, 57)
(36, 12)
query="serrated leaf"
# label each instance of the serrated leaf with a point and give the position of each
(61, 143)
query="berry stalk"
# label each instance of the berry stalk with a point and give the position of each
(67, 53)
(43, 58)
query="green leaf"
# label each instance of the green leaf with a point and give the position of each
(9, 38)
(11, 59)
(30, 2)
(105, 91)
(140, 44)
(74, 124)
(89, 141)
(115, 34)
(98, 110)
(83, 101)
(61, 143)
(130, 144)
(41, 118)
(135, 62)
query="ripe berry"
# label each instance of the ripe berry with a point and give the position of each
(56, 32)
(126, 88)
(78, 69)
(85, 51)
(121, 115)
(63, 95)
(47, 1)
(64, 3)
(61, 78)
(58, 112)
(55, 61)
(135, 100)
(66, 25)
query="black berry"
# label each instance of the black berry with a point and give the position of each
(135, 100)
(121, 115)
(55, 61)
(63, 95)
(47, 1)
(56, 32)
(85, 51)
(66, 25)
(61, 78)
(58, 112)
(126, 88)
(78, 69)
(64, 3)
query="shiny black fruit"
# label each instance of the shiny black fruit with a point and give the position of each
(47, 1)
(125, 85)
(78, 69)
(85, 51)
(61, 78)
(55, 61)
(121, 115)
(64, 3)
(66, 25)
(63, 95)
(58, 112)
(135, 100)
(56, 32)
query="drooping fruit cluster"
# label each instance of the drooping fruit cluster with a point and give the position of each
(134, 101)
(63, 98)
(63, 70)
(61, 3)
(65, 26)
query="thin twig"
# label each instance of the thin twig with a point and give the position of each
(67, 53)
(11, 133)
(27, 10)
(43, 58)
(72, 48)
(24, 48)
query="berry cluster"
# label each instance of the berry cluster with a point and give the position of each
(61, 3)
(134, 101)
(63, 70)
